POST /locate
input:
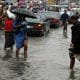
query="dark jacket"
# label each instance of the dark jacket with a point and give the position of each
(76, 37)
(64, 17)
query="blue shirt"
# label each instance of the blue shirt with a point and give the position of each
(23, 28)
(64, 17)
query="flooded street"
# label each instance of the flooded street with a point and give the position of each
(48, 59)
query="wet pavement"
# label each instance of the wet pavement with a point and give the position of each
(48, 59)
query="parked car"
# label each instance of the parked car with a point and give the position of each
(53, 18)
(74, 10)
(37, 27)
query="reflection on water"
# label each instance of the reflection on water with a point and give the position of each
(18, 67)
(72, 75)
(8, 55)
(15, 69)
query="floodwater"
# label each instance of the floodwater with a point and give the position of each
(48, 59)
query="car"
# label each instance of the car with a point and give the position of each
(53, 18)
(74, 10)
(37, 27)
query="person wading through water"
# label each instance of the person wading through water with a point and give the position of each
(20, 34)
(64, 18)
(75, 41)
(9, 36)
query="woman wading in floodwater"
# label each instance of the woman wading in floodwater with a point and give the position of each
(20, 34)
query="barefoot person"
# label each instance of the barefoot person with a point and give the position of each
(20, 35)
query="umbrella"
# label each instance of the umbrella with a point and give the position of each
(23, 12)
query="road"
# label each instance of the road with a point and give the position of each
(48, 59)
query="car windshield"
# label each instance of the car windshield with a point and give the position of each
(38, 19)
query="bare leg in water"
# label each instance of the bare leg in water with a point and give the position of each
(72, 62)
(25, 48)
(17, 52)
